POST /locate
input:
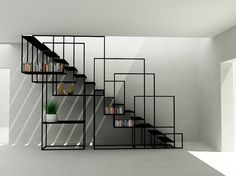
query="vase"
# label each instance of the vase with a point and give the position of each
(60, 89)
(51, 118)
(69, 89)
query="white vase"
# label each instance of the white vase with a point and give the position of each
(51, 118)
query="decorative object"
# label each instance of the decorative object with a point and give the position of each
(51, 111)
(70, 89)
(61, 89)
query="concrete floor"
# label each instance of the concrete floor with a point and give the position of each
(30, 161)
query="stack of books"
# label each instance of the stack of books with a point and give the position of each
(114, 110)
(46, 67)
(124, 123)
(27, 67)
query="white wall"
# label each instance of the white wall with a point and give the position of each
(176, 62)
(4, 94)
(220, 48)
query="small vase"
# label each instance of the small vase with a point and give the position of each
(69, 89)
(51, 118)
(60, 89)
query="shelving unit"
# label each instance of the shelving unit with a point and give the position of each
(123, 117)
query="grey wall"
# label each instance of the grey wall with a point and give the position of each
(174, 60)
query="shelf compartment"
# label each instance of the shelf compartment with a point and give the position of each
(114, 110)
(123, 123)
(43, 73)
(64, 147)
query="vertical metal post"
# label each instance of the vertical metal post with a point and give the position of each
(104, 73)
(154, 104)
(174, 118)
(144, 91)
(84, 114)
(22, 54)
(53, 66)
(42, 133)
(27, 50)
(134, 125)
(94, 119)
(73, 56)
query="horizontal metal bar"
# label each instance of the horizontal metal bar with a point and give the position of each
(88, 36)
(135, 73)
(79, 43)
(120, 58)
(170, 96)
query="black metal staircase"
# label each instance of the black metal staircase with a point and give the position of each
(158, 138)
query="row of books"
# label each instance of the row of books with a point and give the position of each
(47, 67)
(114, 110)
(124, 123)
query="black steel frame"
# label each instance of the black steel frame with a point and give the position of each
(47, 53)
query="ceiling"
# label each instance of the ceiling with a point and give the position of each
(160, 18)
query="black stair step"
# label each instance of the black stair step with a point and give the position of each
(155, 132)
(118, 104)
(36, 43)
(165, 139)
(136, 118)
(62, 61)
(51, 54)
(80, 75)
(93, 83)
(143, 125)
(70, 68)
(129, 111)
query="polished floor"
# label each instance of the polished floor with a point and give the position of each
(30, 161)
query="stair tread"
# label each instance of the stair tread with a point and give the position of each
(118, 104)
(36, 43)
(80, 75)
(89, 82)
(70, 68)
(144, 125)
(136, 118)
(51, 54)
(129, 111)
(155, 132)
(165, 139)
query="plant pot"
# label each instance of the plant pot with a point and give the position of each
(51, 118)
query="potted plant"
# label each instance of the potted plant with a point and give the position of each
(51, 111)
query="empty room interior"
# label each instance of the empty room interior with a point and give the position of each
(117, 88)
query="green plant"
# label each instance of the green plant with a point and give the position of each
(52, 107)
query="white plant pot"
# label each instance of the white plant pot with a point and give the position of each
(51, 118)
